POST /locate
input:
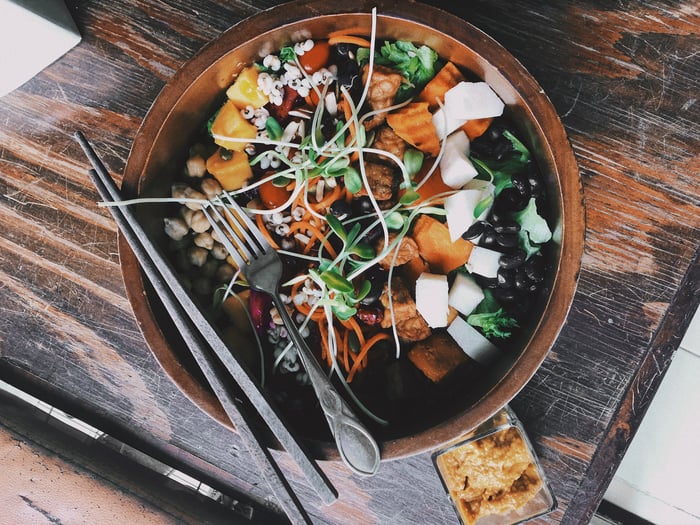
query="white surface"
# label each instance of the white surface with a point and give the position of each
(658, 477)
(33, 34)
(691, 340)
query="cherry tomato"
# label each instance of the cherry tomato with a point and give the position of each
(317, 57)
(272, 196)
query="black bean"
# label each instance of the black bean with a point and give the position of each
(535, 267)
(505, 278)
(507, 226)
(486, 282)
(503, 148)
(522, 281)
(488, 237)
(511, 199)
(362, 205)
(534, 179)
(521, 183)
(512, 260)
(340, 208)
(506, 295)
(507, 240)
(474, 230)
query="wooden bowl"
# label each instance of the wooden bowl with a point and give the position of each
(196, 89)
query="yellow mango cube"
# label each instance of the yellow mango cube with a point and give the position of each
(245, 91)
(229, 123)
(231, 173)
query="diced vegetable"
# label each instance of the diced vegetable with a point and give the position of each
(245, 91)
(434, 245)
(272, 196)
(232, 173)
(235, 308)
(448, 77)
(461, 208)
(414, 124)
(472, 342)
(316, 57)
(431, 299)
(455, 167)
(484, 262)
(437, 356)
(476, 127)
(467, 101)
(230, 123)
(465, 294)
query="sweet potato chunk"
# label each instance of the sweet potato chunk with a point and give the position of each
(414, 124)
(448, 77)
(437, 356)
(435, 246)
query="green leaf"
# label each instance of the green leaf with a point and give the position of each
(273, 128)
(336, 281)
(364, 290)
(362, 250)
(211, 120)
(483, 205)
(413, 160)
(409, 197)
(281, 182)
(533, 223)
(343, 311)
(518, 146)
(287, 54)
(336, 226)
(353, 180)
(394, 221)
(493, 324)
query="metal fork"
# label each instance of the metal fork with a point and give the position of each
(262, 268)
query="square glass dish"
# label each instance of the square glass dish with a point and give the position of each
(493, 476)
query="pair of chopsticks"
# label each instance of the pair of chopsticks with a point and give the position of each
(210, 355)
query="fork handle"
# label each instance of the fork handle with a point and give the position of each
(356, 446)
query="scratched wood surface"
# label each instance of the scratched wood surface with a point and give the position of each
(622, 75)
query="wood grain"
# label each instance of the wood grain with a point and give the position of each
(623, 77)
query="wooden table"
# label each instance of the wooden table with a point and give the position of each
(623, 77)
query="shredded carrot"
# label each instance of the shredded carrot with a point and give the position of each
(364, 349)
(325, 351)
(344, 346)
(351, 324)
(347, 112)
(328, 199)
(305, 226)
(348, 39)
(265, 232)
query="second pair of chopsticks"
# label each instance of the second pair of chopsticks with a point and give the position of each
(195, 329)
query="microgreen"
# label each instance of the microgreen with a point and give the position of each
(273, 128)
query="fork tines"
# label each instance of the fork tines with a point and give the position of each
(241, 238)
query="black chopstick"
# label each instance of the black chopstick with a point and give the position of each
(175, 298)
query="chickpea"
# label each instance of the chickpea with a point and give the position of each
(218, 251)
(176, 228)
(211, 187)
(191, 193)
(196, 166)
(204, 240)
(199, 222)
(224, 273)
(197, 256)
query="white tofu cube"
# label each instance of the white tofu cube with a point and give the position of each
(432, 298)
(470, 340)
(461, 207)
(484, 262)
(465, 294)
(472, 100)
(445, 122)
(455, 167)
(466, 101)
